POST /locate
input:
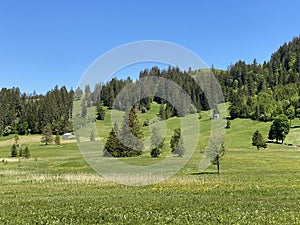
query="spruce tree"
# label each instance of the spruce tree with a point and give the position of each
(14, 152)
(131, 134)
(47, 135)
(92, 136)
(26, 153)
(100, 112)
(157, 142)
(57, 139)
(113, 146)
(175, 139)
(180, 149)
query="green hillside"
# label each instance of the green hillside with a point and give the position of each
(56, 186)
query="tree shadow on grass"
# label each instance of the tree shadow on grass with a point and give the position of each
(274, 142)
(204, 173)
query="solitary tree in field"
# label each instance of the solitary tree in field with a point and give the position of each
(280, 128)
(175, 139)
(113, 147)
(47, 135)
(16, 137)
(26, 153)
(92, 136)
(220, 152)
(228, 124)
(215, 150)
(180, 149)
(258, 140)
(14, 152)
(157, 142)
(57, 139)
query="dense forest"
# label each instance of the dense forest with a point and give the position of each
(256, 91)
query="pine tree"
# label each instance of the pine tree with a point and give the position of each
(26, 153)
(175, 140)
(258, 140)
(100, 112)
(113, 146)
(16, 137)
(20, 152)
(180, 149)
(14, 152)
(157, 142)
(57, 139)
(131, 134)
(47, 135)
(92, 136)
(228, 124)
(83, 108)
(162, 112)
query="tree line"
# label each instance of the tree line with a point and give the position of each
(22, 113)
(264, 91)
(257, 91)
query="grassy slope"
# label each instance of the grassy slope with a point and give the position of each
(256, 187)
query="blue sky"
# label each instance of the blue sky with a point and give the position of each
(44, 43)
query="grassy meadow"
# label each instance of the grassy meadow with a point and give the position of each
(56, 185)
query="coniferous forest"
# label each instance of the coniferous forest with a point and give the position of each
(256, 91)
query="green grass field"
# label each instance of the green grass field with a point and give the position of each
(56, 185)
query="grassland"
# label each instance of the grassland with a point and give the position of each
(56, 186)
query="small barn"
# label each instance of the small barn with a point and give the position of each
(216, 116)
(67, 136)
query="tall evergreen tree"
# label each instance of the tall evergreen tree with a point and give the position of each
(27, 152)
(14, 151)
(131, 134)
(47, 135)
(113, 146)
(175, 140)
(100, 111)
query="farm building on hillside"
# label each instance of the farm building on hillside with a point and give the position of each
(67, 136)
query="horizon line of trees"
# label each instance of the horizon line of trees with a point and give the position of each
(256, 91)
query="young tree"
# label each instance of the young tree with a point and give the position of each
(219, 154)
(279, 128)
(57, 139)
(47, 135)
(175, 139)
(20, 152)
(83, 108)
(16, 137)
(157, 142)
(14, 152)
(290, 113)
(100, 112)
(258, 140)
(26, 153)
(228, 124)
(180, 149)
(92, 136)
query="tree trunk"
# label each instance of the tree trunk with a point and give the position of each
(218, 166)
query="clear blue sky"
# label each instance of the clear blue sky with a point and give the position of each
(44, 43)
